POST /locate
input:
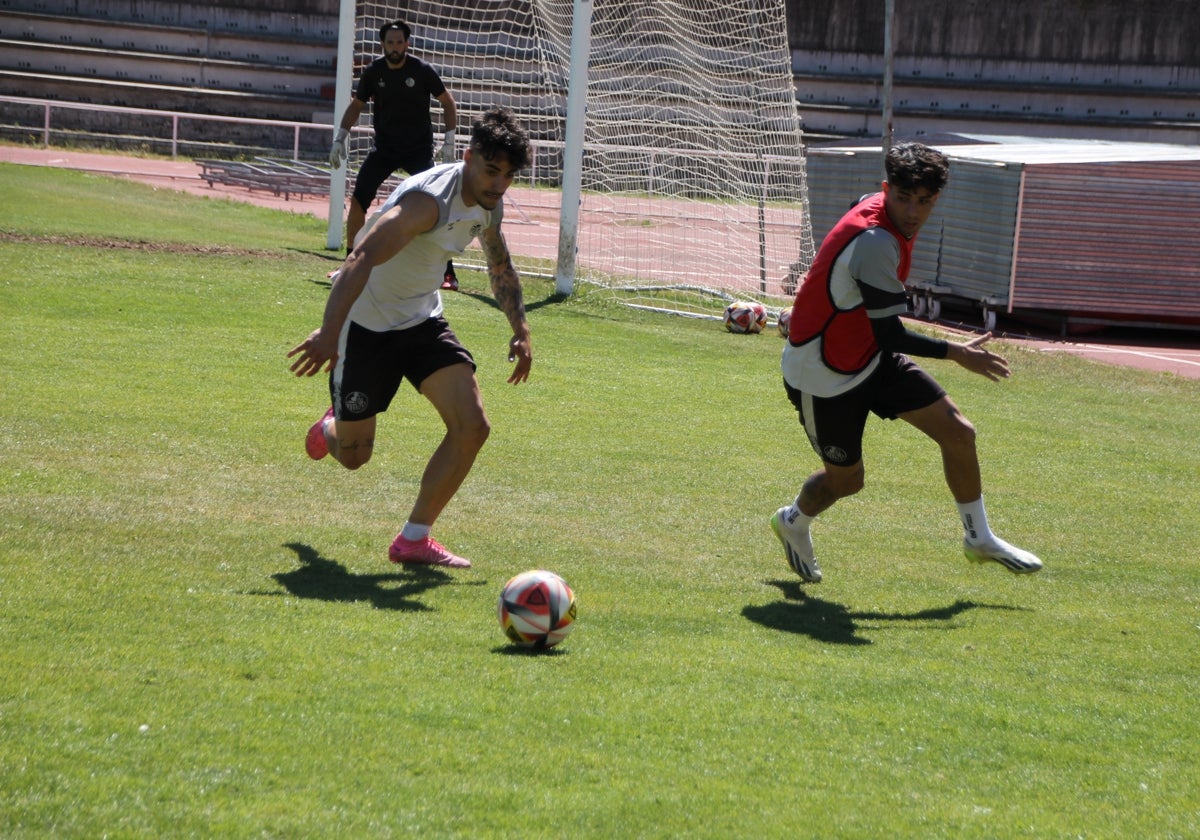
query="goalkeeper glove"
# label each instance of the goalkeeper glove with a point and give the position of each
(447, 152)
(338, 153)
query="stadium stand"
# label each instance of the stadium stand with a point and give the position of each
(189, 56)
(1131, 74)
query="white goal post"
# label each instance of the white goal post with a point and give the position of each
(683, 169)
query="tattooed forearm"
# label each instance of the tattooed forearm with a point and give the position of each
(506, 285)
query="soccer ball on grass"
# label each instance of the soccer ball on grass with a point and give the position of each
(745, 317)
(785, 321)
(536, 609)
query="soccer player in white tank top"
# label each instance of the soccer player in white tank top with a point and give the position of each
(383, 322)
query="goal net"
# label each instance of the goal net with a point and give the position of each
(693, 184)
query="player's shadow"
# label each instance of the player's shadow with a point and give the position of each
(548, 300)
(327, 580)
(833, 623)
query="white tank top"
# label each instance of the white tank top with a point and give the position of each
(404, 291)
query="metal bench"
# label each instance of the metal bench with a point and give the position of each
(281, 177)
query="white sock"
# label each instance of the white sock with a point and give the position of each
(974, 521)
(796, 518)
(414, 532)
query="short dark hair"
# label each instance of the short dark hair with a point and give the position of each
(913, 165)
(497, 131)
(396, 24)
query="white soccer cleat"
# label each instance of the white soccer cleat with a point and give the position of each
(797, 547)
(1014, 559)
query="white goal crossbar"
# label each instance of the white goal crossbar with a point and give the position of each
(668, 146)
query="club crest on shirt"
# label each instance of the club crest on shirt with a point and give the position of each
(410, 81)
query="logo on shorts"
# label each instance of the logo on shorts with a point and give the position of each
(357, 402)
(834, 454)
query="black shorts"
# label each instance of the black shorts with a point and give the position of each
(372, 364)
(379, 166)
(835, 425)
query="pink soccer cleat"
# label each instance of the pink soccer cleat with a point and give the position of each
(426, 552)
(315, 443)
(450, 279)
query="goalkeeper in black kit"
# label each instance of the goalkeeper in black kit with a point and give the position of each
(400, 86)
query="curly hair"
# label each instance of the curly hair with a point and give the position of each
(498, 132)
(913, 165)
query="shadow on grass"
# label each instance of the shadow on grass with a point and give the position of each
(530, 306)
(834, 623)
(516, 650)
(327, 580)
(552, 298)
(337, 255)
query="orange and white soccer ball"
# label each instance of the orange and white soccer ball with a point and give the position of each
(537, 609)
(745, 317)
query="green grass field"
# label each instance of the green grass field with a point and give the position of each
(202, 635)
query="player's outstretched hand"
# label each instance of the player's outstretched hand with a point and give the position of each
(313, 355)
(976, 358)
(519, 351)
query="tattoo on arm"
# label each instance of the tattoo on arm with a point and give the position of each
(506, 285)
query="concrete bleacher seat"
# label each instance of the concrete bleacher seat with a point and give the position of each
(311, 54)
(167, 69)
(196, 57)
(291, 21)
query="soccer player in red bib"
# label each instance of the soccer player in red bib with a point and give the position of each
(848, 356)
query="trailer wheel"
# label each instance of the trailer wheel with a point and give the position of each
(934, 308)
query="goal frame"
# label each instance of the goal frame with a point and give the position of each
(582, 255)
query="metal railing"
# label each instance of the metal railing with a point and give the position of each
(176, 118)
